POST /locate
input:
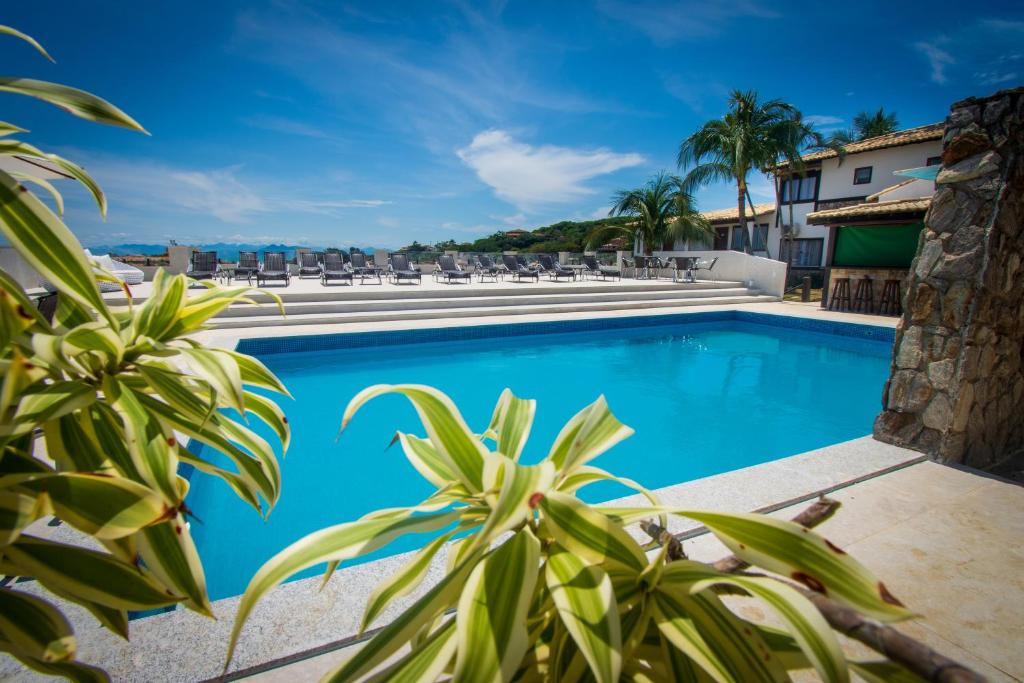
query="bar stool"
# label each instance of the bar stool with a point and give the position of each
(892, 299)
(864, 297)
(840, 299)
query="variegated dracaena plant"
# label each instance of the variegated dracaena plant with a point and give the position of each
(91, 408)
(546, 587)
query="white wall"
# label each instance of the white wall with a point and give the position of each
(837, 179)
(18, 268)
(836, 182)
(768, 275)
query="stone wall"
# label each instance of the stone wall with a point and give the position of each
(956, 390)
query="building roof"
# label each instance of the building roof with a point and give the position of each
(858, 212)
(733, 213)
(910, 136)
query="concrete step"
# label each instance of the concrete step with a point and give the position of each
(749, 296)
(310, 290)
(478, 299)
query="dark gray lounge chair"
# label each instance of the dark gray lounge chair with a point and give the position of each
(704, 264)
(682, 268)
(521, 260)
(274, 268)
(203, 266)
(517, 270)
(553, 269)
(401, 269)
(248, 265)
(485, 267)
(594, 269)
(364, 270)
(448, 270)
(334, 269)
(308, 266)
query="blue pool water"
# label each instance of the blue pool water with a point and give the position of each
(703, 397)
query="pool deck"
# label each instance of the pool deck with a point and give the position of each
(948, 542)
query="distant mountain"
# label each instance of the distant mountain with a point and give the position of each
(227, 251)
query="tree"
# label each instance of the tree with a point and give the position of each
(661, 210)
(104, 394)
(748, 138)
(869, 125)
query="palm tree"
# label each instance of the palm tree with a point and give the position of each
(663, 212)
(748, 138)
(869, 125)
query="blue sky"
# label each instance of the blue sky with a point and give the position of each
(336, 123)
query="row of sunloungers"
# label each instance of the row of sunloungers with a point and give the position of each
(342, 267)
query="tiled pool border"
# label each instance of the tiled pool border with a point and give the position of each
(357, 340)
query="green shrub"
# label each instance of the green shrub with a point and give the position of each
(92, 405)
(547, 587)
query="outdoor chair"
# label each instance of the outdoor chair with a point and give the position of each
(517, 270)
(592, 268)
(308, 266)
(274, 268)
(485, 267)
(448, 270)
(203, 265)
(683, 268)
(334, 269)
(704, 264)
(630, 264)
(363, 270)
(553, 269)
(248, 265)
(400, 269)
(521, 260)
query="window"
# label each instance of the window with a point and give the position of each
(806, 252)
(761, 237)
(739, 238)
(862, 175)
(803, 189)
(933, 161)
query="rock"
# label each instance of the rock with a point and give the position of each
(939, 413)
(929, 255)
(940, 373)
(966, 144)
(909, 354)
(959, 266)
(964, 403)
(976, 166)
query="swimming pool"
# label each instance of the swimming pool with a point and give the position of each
(706, 393)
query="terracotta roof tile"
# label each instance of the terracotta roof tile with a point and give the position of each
(869, 209)
(733, 213)
(909, 136)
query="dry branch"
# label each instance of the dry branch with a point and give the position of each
(901, 649)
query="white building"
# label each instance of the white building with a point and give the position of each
(865, 174)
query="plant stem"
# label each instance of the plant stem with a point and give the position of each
(904, 650)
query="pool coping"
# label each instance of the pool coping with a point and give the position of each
(297, 620)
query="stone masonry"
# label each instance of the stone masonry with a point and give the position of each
(956, 388)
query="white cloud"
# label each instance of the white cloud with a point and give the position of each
(529, 176)
(938, 60)
(669, 22)
(822, 120)
(597, 214)
(222, 193)
(995, 77)
(279, 124)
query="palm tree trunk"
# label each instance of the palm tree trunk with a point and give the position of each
(741, 200)
(753, 217)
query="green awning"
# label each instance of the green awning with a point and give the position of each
(921, 173)
(880, 246)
